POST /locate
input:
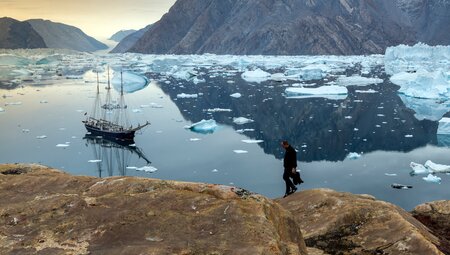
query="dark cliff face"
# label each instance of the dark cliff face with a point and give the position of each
(19, 35)
(62, 36)
(288, 27)
(431, 19)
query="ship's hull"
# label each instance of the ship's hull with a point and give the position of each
(118, 135)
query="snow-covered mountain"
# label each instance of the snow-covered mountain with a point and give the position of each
(293, 27)
(15, 34)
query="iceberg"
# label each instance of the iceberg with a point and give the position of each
(423, 84)
(418, 169)
(400, 186)
(257, 75)
(432, 178)
(331, 92)
(203, 126)
(436, 168)
(444, 126)
(147, 169)
(240, 151)
(131, 82)
(252, 141)
(242, 120)
(308, 73)
(357, 81)
(431, 109)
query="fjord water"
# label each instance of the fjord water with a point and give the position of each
(42, 124)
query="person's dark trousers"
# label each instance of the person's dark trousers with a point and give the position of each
(289, 185)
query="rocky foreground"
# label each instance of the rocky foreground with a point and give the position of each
(46, 211)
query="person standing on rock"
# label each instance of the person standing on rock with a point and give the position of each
(290, 165)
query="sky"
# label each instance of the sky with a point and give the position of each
(97, 18)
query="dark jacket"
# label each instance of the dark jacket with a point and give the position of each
(290, 158)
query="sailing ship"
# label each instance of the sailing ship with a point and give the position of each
(110, 120)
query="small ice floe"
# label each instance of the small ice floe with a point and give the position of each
(418, 169)
(215, 171)
(437, 168)
(388, 174)
(409, 136)
(240, 151)
(369, 91)
(257, 75)
(13, 103)
(357, 81)
(252, 141)
(242, 120)
(195, 139)
(155, 105)
(62, 145)
(331, 92)
(147, 169)
(94, 161)
(144, 106)
(432, 178)
(353, 155)
(136, 110)
(245, 130)
(401, 186)
(236, 95)
(183, 95)
(41, 137)
(219, 110)
(203, 126)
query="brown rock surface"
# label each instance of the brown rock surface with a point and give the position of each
(344, 223)
(46, 211)
(436, 216)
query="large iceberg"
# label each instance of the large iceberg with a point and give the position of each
(131, 82)
(423, 84)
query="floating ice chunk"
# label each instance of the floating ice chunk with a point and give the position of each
(219, 110)
(437, 168)
(432, 178)
(242, 120)
(443, 128)
(147, 169)
(431, 109)
(357, 81)
(240, 151)
(215, 171)
(295, 92)
(309, 72)
(252, 141)
(62, 145)
(257, 75)
(409, 136)
(369, 91)
(41, 137)
(203, 126)
(236, 95)
(94, 161)
(183, 95)
(388, 174)
(136, 110)
(131, 82)
(353, 155)
(400, 186)
(278, 77)
(418, 169)
(195, 139)
(245, 130)
(422, 84)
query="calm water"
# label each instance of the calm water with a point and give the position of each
(324, 131)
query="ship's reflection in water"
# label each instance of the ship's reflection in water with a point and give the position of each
(113, 157)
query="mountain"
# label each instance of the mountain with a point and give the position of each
(126, 43)
(292, 27)
(430, 19)
(117, 37)
(62, 36)
(15, 34)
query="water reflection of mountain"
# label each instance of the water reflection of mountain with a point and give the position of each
(320, 129)
(113, 156)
